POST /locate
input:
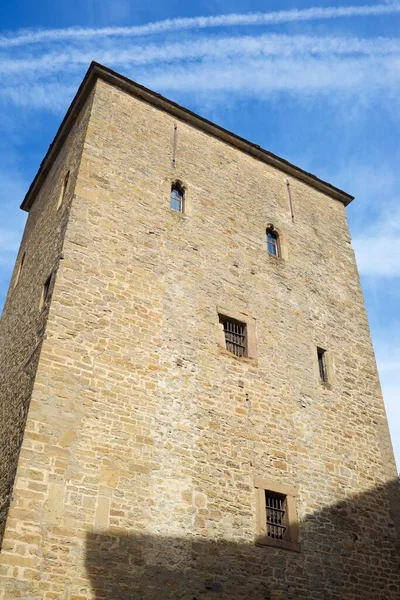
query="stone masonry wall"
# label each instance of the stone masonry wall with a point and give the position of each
(22, 326)
(144, 435)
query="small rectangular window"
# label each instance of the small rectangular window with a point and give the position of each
(322, 364)
(276, 515)
(235, 333)
(277, 523)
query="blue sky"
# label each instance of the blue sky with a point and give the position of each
(315, 83)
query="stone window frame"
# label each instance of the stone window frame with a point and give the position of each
(64, 188)
(235, 333)
(329, 365)
(165, 187)
(291, 541)
(251, 337)
(280, 240)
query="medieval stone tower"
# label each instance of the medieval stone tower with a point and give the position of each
(190, 403)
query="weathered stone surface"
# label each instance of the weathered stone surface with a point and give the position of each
(22, 324)
(146, 431)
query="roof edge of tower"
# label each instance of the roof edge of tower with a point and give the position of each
(98, 71)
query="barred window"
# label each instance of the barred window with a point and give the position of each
(272, 241)
(235, 333)
(322, 364)
(277, 523)
(276, 515)
(177, 197)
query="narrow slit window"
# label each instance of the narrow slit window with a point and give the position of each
(177, 197)
(276, 515)
(235, 334)
(20, 266)
(322, 364)
(45, 293)
(272, 242)
(63, 191)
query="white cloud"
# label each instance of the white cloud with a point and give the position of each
(44, 76)
(120, 53)
(253, 69)
(377, 248)
(50, 96)
(263, 76)
(392, 365)
(270, 18)
(378, 256)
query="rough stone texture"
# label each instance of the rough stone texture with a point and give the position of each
(22, 325)
(144, 436)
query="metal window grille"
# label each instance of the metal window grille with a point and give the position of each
(235, 336)
(176, 198)
(272, 242)
(322, 364)
(276, 511)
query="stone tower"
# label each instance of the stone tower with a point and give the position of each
(190, 403)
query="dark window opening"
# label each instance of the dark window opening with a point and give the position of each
(235, 336)
(19, 270)
(66, 179)
(272, 242)
(176, 201)
(45, 293)
(63, 190)
(322, 364)
(276, 511)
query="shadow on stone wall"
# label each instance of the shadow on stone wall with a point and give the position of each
(348, 551)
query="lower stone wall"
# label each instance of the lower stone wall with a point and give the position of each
(340, 559)
(14, 407)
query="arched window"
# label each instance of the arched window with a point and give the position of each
(177, 197)
(272, 240)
